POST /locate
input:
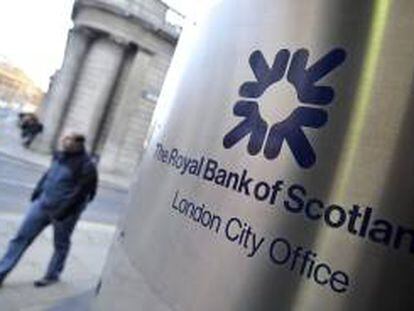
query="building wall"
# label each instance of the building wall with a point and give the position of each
(119, 56)
(123, 155)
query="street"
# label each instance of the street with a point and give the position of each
(18, 178)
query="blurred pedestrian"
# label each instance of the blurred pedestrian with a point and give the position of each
(58, 199)
(30, 127)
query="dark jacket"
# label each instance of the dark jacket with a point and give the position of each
(31, 128)
(68, 185)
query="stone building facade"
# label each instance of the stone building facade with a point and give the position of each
(116, 58)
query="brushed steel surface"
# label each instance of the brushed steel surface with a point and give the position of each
(364, 156)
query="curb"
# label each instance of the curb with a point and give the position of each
(82, 224)
(21, 160)
(105, 183)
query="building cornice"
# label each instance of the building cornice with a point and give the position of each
(160, 28)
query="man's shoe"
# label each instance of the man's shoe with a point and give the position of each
(45, 282)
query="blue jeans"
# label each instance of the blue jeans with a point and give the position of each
(35, 221)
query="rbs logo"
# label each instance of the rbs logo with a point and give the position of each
(305, 79)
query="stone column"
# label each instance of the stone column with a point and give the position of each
(61, 89)
(126, 109)
(95, 88)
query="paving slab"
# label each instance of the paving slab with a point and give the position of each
(90, 245)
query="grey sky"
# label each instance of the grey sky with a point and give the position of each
(33, 33)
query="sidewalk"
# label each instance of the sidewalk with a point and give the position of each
(90, 246)
(10, 146)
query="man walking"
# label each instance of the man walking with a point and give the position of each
(58, 199)
(30, 128)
